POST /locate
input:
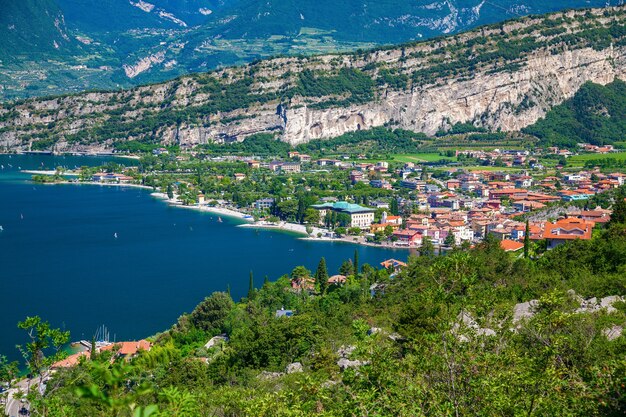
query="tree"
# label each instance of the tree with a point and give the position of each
(393, 207)
(388, 230)
(449, 240)
(300, 272)
(309, 230)
(311, 216)
(170, 191)
(346, 268)
(427, 249)
(356, 263)
(211, 313)
(321, 275)
(619, 210)
(42, 337)
(8, 370)
(527, 240)
(251, 286)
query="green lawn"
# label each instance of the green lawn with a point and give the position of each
(580, 160)
(421, 157)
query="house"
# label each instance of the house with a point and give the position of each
(264, 203)
(303, 284)
(110, 177)
(510, 245)
(561, 231)
(70, 361)
(361, 217)
(239, 176)
(290, 167)
(408, 237)
(254, 164)
(284, 313)
(128, 349)
(337, 280)
(393, 264)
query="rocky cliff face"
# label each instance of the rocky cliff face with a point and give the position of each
(502, 77)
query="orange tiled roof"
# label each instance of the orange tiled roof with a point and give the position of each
(511, 245)
(568, 229)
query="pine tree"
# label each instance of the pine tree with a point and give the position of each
(228, 290)
(266, 281)
(527, 240)
(356, 263)
(321, 276)
(170, 191)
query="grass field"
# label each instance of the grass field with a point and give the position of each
(421, 157)
(580, 160)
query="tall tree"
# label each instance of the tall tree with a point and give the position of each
(619, 209)
(321, 276)
(42, 339)
(356, 263)
(251, 286)
(393, 207)
(427, 249)
(527, 240)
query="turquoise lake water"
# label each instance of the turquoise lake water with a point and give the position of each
(59, 258)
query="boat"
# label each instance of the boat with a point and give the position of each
(219, 219)
(1, 229)
(115, 235)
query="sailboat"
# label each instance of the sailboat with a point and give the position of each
(115, 235)
(219, 219)
(1, 229)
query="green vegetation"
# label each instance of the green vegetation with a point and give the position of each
(596, 114)
(555, 362)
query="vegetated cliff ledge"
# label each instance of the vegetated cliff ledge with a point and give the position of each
(500, 77)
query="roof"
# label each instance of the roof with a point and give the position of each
(393, 263)
(344, 206)
(129, 348)
(567, 229)
(511, 245)
(70, 361)
(337, 279)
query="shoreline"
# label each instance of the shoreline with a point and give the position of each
(297, 229)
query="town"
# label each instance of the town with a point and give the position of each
(543, 197)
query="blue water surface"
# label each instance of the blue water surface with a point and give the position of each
(59, 257)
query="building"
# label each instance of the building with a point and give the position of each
(561, 231)
(239, 176)
(128, 349)
(360, 216)
(510, 245)
(290, 167)
(264, 203)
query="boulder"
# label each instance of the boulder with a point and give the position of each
(293, 368)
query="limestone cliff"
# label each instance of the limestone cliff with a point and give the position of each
(501, 77)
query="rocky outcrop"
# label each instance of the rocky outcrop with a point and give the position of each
(502, 77)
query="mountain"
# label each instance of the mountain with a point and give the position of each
(32, 27)
(500, 77)
(123, 43)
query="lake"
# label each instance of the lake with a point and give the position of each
(59, 257)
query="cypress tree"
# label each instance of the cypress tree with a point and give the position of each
(92, 353)
(356, 263)
(527, 240)
(228, 290)
(251, 286)
(266, 281)
(321, 276)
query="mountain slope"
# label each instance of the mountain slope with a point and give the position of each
(32, 27)
(596, 115)
(502, 77)
(123, 43)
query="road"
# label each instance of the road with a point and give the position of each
(16, 407)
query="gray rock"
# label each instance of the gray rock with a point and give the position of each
(346, 351)
(217, 340)
(524, 310)
(344, 363)
(293, 368)
(374, 330)
(613, 332)
(265, 375)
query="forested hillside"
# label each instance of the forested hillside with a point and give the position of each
(475, 332)
(596, 115)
